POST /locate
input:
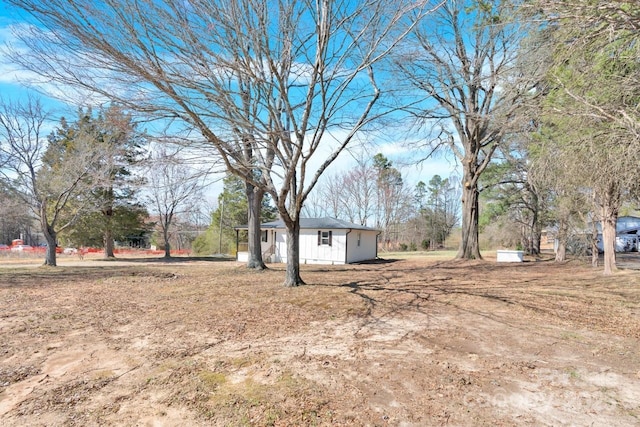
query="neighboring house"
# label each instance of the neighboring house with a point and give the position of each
(322, 241)
(627, 237)
(627, 234)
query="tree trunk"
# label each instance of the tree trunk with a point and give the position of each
(107, 212)
(108, 241)
(594, 246)
(254, 198)
(536, 232)
(167, 245)
(536, 236)
(469, 245)
(50, 237)
(561, 250)
(609, 220)
(292, 275)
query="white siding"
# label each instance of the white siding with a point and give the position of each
(268, 247)
(264, 246)
(312, 253)
(281, 246)
(367, 248)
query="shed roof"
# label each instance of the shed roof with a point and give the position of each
(315, 223)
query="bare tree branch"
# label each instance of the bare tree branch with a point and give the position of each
(265, 83)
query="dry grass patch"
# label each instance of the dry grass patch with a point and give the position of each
(415, 341)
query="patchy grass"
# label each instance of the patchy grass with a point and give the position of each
(415, 339)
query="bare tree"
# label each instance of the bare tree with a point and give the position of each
(392, 200)
(173, 188)
(359, 186)
(332, 195)
(462, 63)
(50, 176)
(517, 194)
(15, 218)
(558, 171)
(348, 195)
(266, 83)
(441, 210)
(315, 206)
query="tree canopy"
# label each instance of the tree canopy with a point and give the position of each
(52, 176)
(265, 83)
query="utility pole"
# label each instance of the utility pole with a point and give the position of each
(220, 234)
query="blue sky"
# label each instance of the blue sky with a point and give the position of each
(17, 84)
(13, 85)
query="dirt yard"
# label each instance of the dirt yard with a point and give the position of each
(413, 342)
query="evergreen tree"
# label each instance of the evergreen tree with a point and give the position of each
(231, 212)
(390, 197)
(128, 224)
(437, 207)
(113, 196)
(591, 109)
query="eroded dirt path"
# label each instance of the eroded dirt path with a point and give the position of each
(411, 342)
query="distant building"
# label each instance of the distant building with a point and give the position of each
(627, 237)
(627, 234)
(322, 241)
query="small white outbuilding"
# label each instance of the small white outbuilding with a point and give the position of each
(322, 241)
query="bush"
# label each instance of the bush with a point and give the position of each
(403, 247)
(413, 247)
(203, 244)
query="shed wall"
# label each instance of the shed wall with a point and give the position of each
(366, 250)
(312, 253)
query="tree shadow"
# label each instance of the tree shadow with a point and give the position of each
(396, 293)
(50, 276)
(377, 261)
(348, 267)
(171, 260)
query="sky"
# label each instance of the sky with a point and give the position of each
(16, 84)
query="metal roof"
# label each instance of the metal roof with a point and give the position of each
(314, 223)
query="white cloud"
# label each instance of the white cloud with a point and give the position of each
(22, 79)
(404, 156)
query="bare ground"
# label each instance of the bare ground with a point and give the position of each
(412, 342)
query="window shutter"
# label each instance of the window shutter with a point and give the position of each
(319, 237)
(330, 237)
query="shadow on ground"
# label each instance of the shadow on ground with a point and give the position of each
(171, 259)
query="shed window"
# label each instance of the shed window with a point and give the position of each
(324, 238)
(359, 238)
(264, 236)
